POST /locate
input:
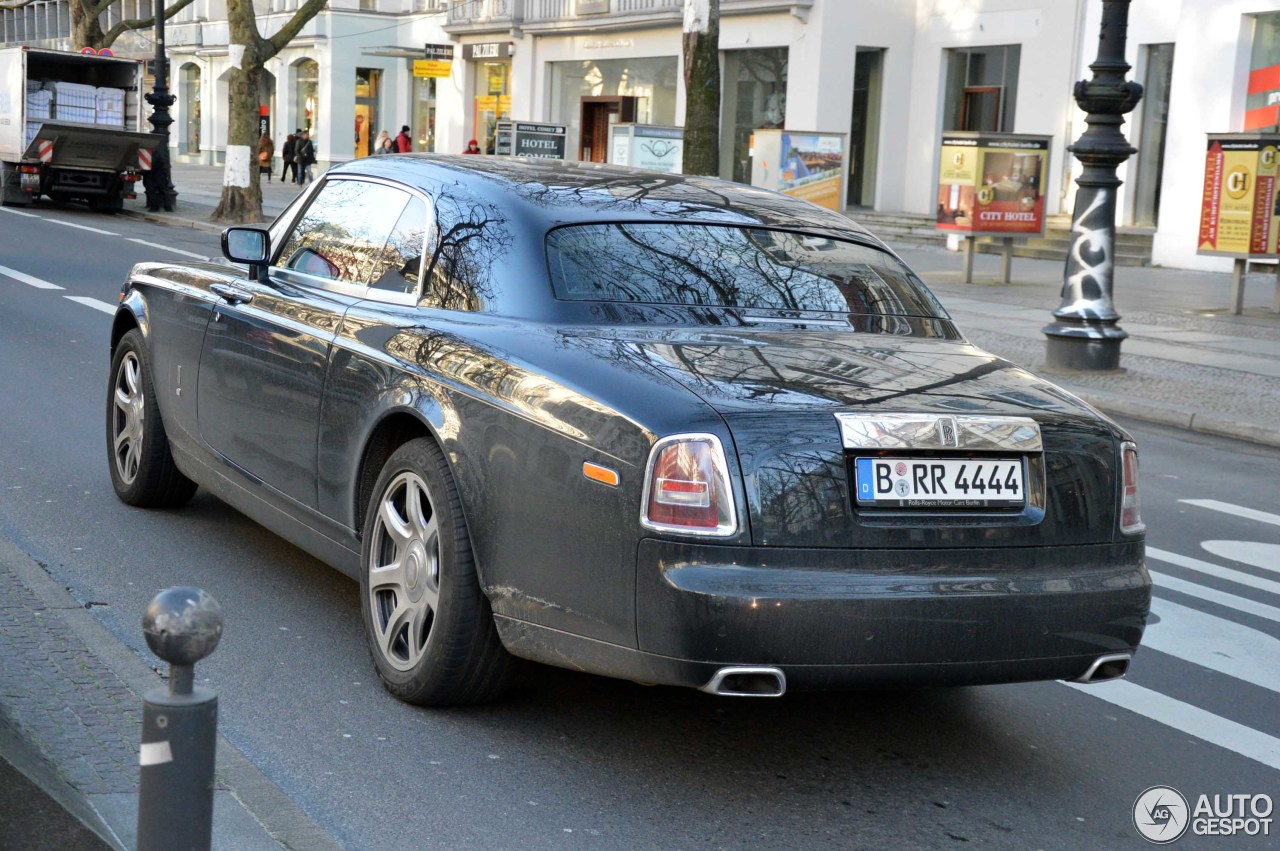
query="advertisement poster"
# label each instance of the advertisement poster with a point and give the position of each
(812, 168)
(807, 165)
(1238, 215)
(991, 183)
(647, 146)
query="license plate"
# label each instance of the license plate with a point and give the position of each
(940, 482)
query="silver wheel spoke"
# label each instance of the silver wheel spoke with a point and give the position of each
(414, 499)
(123, 402)
(388, 577)
(387, 638)
(122, 440)
(396, 527)
(417, 638)
(131, 376)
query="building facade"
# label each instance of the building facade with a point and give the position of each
(892, 75)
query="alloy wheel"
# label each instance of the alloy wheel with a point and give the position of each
(404, 571)
(126, 429)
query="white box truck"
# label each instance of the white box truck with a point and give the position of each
(70, 128)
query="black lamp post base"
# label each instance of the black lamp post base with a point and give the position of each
(1083, 346)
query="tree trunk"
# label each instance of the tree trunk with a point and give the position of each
(702, 87)
(85, 29)
(241, 190)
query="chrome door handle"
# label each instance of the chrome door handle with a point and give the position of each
(230, 294)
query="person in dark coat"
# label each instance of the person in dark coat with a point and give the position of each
(306, 153)
(290, 162)
(404, 143)
(266, 150)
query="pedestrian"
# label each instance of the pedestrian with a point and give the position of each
(306, 158)
(404, 143)
(266, 151)
(473, 147)
(290, 170)
(384, 145)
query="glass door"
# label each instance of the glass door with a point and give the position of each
(864, 133)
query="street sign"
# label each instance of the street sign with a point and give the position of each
(438, 52)
(432, 68)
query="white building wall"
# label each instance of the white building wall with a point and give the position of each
(1210, 79)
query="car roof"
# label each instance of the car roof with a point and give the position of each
(554, 192)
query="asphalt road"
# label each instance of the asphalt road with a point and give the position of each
(570, 761)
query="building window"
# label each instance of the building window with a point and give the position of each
(306, 88)
(755, 97)
(190, 141)
(982, 88)
(652, 81)
(423, 109)
(1262, 105)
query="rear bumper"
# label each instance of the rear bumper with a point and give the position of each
(881, 617)
(870, 618)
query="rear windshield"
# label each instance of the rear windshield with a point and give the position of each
(716, 265)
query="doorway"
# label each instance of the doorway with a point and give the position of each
(598, 115)
(864, 133)
(366, 121)
(1155, 123)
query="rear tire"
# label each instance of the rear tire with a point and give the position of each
(429, 626)
(143, 472)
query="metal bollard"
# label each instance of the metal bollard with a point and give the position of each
(179, 725)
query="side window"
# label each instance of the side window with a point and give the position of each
(399, 269)
(344, 231)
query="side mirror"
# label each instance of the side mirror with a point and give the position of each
(247, 245)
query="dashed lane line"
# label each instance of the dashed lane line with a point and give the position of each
(1213, 595)
(24, 278)
(1256, 553)
(20, 213)
(96, 304)
(1237, 510)
(1192, 720)
(1239, 577)
(82, 227)
(169, 249)
(1221, 645)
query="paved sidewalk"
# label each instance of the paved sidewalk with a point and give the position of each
(70, 727)
(1187, 363)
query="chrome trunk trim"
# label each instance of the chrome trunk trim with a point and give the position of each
(971, 432)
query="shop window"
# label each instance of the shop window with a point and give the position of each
(755, 97)
(306, 87)
(190, 83)
(982, 88)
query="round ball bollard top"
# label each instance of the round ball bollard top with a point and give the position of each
(182, 625)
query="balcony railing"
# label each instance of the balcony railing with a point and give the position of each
(562, 15)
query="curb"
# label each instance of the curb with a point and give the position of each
(277, 815)
(173, 221)
(1176, 417)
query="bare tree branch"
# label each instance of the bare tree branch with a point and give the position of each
(140, 23)
(292, 27)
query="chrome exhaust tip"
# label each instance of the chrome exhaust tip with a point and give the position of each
(747, 682)
(1112, 666)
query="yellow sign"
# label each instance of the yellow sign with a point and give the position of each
(1237, 213)
(487, 103)
(432, 68)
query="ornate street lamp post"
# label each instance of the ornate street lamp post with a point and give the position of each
(1086, 334)
(158, 182)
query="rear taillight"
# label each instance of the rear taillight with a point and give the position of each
(1130, 508)
(687, 489)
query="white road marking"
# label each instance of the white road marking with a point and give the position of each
(1215, 643)
(1237, 510)
(28, 280)
(1265, 556)
(82, 227)
(168, 248)
(20, 213)
(92, 302)
(1211, 569)
(1192, 720)
(1213, 595)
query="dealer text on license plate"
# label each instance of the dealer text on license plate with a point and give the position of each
(940, 482)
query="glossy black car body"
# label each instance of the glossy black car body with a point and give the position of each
(286, 396)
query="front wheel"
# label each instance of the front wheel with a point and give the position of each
(143, 472)
(429, 626)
